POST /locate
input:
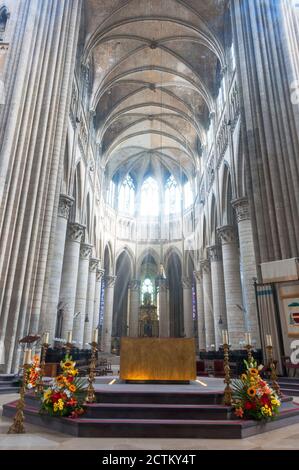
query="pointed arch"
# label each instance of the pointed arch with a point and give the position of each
(127, 250)
(227, 196)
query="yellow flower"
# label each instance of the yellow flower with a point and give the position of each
(253, 371)
(68, 364)
(72, 388)
(244, 377)
(251, 392)
(60, 404)
(47, 394)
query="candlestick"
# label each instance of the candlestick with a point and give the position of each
(272, 366)
(225, 339)
(40, 385)
(227, 379)
(248, 347)
(95, 335)
(90, 396)
(47, 337)
(248, 339)
(27, 356)
(17, 426)
(69, 336)
(269, 340)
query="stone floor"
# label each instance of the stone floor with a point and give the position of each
(37, 438)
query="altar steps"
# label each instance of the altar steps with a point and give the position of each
(159, 428)
(160, 420)
(289, 386)
(9, 383)
(170, 398)
(157, 411)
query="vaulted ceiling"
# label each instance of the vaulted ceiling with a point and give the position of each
(156, 68)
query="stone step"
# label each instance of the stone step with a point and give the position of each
(188, 398)
(159, 428)
(289, 385)
(291, 380)
(157, 411)
(8, 377)
(290, 391)
(8, 389)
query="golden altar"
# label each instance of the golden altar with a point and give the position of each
(157, 359)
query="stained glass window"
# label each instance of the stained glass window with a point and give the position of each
(172, 196)
(126, 200)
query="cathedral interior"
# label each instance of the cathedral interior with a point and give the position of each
(149, 175)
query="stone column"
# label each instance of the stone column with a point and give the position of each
(81, 293)
(200, 311)
(232, 283)
(266, 45)
(108, 313)
(48, 321)
(91, 286)
(208, 304)
(97, 298)
(218, 292)
(164, 325)
(187, 302)
(134, 307)
(67, 296)
(248, 266)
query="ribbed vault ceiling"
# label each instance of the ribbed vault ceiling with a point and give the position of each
(156, 67)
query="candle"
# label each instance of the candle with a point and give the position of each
(248, 339)
(69, 336)
(224, 336)
(95, 335)
(268, 340)
(27, 356)
(47, 336)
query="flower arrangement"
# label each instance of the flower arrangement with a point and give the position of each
(33, 373)
(252, 396)
(65, 396)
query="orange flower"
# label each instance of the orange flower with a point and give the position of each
(253, 371)
(72, 388)
(251, 392)
(239, 412)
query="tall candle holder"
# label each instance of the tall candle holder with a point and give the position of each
(272, 366)
(90, 395)
(17, 426)
(227, 378)
(248, 347)
(40, 385)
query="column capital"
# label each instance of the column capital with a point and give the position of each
(109, 281)
(205, 265)
(227, 233)
(99, 274)
(198, 276)
(85, 250)
(75, 232)
(134, 284)
(64, 205)
(241, 206)
(215, 253)
(93, 265)
(187, 283)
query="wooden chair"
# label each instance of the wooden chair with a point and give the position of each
(289, 365)
(200, 368)
(219, 368)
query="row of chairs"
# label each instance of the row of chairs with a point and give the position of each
(213, 368)
(103, 367)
